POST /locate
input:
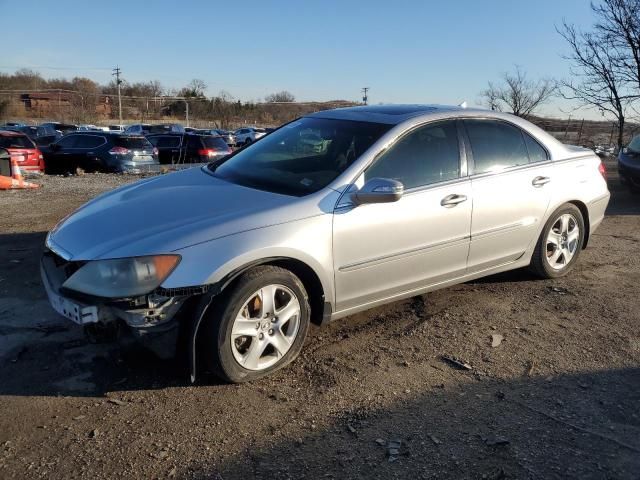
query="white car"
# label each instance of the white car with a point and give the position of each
(245, 136)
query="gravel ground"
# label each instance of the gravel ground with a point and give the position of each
(370, 396)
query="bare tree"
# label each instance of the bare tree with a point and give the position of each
(618, 21)
(282, 96)
(595, 79)
(517, 93)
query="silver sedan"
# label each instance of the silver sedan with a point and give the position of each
(332, 214)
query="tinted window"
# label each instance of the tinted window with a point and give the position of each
(68, 141)
(495, 145)
(133, 142)
(163, 141)
(18, 141)
(536, 152)
(194, 142)
(214, 142)
(427, 155)
(302, 157)
(89, 141)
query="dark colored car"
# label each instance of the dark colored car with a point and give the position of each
(63, 128)
(176, 148)
(99, 151)
(41, 134)
(629, 164)
(22, 148)
(148, 129)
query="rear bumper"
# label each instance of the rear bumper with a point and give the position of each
(597, 209)
(630, 173)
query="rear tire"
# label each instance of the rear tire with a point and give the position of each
(560, 243)
(248, 141)
(245, 338)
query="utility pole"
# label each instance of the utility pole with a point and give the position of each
(364, 95)
(117, 72)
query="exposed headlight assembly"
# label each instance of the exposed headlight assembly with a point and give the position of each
(122, 277)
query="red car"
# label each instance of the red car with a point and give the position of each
(22, 149)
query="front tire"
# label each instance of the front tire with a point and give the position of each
(560, 243)
(258, 326)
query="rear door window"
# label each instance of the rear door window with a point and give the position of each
(89, 141)
(165, 141)
(68, 142)
(133, 143)
(215, 142)
(495, 145)
(194, 142)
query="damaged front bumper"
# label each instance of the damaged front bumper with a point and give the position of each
(152, 318)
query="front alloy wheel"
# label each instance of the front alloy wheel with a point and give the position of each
(257, 325)
(265, 327)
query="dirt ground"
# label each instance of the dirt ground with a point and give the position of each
(370, 396)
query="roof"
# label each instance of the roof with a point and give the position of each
(390, 114)
(11, 133)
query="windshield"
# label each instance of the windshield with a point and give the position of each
(634, 145)
(301, 157)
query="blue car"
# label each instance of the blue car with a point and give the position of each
(629, 164)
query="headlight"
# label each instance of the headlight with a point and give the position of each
(122, 277)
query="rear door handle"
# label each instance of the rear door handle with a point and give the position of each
(453, 200)
(540, 181)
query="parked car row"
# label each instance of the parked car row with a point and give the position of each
(56, 148)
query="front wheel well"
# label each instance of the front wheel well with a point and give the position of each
(304, 272)
(585, 217)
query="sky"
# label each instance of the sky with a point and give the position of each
(405, 51)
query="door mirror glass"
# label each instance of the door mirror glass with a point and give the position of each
(379, 190)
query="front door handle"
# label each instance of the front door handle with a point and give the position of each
(453, 200)
(540, 181)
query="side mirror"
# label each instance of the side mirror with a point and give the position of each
(379, 190)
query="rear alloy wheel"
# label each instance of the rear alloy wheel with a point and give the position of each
(257, 327)
(560, 243)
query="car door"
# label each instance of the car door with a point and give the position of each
(59, 157)
(86, 151)
(386, 250)
(511, 181)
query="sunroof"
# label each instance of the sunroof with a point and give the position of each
(399, 109)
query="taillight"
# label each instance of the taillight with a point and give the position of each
(207, 152)
(119, 151)
(603, 170)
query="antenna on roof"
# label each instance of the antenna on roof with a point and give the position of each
(463, 104)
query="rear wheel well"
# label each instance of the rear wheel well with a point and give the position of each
(304, 272)
(585, 216)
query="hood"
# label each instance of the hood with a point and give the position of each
(166, 213)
